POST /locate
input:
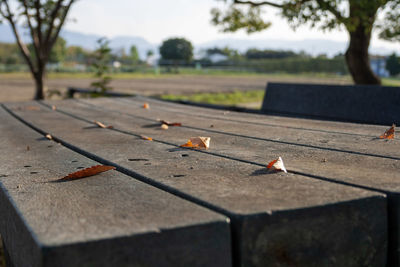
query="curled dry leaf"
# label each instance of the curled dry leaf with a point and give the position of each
(146, 138)
(87, 172)
(28, 148)
(170, 123)
(277, 165)
(101, 125)
(198, 142)
(146, 105)
(389, 133)
(164, 126)
(48, 136)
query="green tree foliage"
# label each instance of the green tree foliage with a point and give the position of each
(357, 17)
(177, 49)
(226, 51)
(10, 54)
(134, 55)
(393, 64)
(77, 54)
(44, 20)
(101, 65)
(149, 53)
(59, 51)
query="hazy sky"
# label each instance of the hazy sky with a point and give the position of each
(157, 20)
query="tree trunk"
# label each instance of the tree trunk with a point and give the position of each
(39, 84)
(357, 57)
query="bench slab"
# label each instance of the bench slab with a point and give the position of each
(292, 211)
(109, 219)
(357, 103)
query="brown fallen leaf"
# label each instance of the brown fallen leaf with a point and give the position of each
(389, 133)
(164, 126)
(146, 105)
(87, 172)
(277, 165)
(198, 142)
(101, 125)
(170, 123)
(28, 148)
(32, 108)
(48, 136)
(146, 138)
(53, 107)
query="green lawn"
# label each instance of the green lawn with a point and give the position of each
(229, 99)
(182, 72)
(241, 98)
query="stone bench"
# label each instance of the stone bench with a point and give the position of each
(352, 103)
(170, 206)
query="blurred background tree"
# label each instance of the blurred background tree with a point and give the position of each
(59, 51)
(44, 20)
(134, 55)
(101, 65)
(176, 51)
(393, 64)
(358, 17)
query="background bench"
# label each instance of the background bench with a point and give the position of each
(353, 103)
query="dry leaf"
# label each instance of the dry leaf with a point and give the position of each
(164, 126)
(171, 123)
(389, 134)
(101, 125)
(277, 165)
(146, 105)
(198, 142)
(146, 138)
(48, 136)
(28, 148)
(53, 107)
(87, 172)
(32, 108)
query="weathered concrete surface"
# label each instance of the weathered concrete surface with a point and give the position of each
(251, 118)
(371, 169)
(379, 172)
(243, 191)
(358, 103)
(325, 135)
(105, 220)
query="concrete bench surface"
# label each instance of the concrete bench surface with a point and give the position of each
(331, 209)
(353, 103)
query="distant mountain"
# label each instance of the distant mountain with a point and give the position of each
(310, 46)
(87, 41)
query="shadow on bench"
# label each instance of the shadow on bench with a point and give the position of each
(72, 90)
(349, 103)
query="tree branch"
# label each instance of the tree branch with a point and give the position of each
(254, 4)
(39, 22)
(34, 35)
(62, 20)
(53, 17)
(332, 10)
(24, 50)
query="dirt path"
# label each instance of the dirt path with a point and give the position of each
(20, 89)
